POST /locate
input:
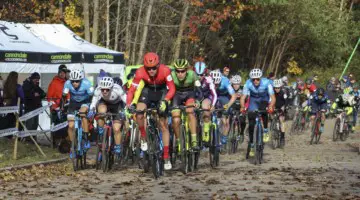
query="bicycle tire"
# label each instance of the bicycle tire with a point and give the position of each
(211, 147)
(343, 136)
(319, 133)
(217, 148)
(336, 130)
(105, 156)
(155, 151)
(232, 138)
(98, 152)
(273, 134)
(258, 144)
(73, 151)
(183, 149)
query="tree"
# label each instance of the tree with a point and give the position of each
(86, 19)
(182, 27)
(95, 28)
(145, 31)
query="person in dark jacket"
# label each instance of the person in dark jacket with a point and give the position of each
(331, 89)
(33, 96)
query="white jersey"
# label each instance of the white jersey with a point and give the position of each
(116, 95)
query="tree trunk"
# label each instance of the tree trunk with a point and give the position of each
(86, 19)
(117, 26)
(61, 10)
(182, 27)
(133, 56)
(341, 8)
(107, 23)
(128, 21)
(145, 31)
(95, 30)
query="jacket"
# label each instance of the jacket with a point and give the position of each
(55, 90)
(32, 95)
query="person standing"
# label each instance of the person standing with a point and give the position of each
(12, 91)
(226, 72)
(33, 95)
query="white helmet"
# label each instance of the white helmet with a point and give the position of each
(278, 83)
(284, 79)
(256, 73)
(236, 79)
(106, 82)
(76, 75)
(216, 75)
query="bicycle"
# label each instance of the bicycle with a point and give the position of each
(105, 155)
(315, 130)
(341, 128)
(154, 155)
(275, 129)
(78, 149)
(189, 156)
(131, 141)
(234, 134)
(259, 133)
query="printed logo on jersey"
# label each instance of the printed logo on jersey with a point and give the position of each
(169, 78)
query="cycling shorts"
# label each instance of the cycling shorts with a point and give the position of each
(317, 107)
(75, 106)
(152, 98)
(113, 109)
(181, 98)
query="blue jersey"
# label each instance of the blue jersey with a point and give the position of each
(258, 95)
(82, 93)
(315, 99)
(225, 87)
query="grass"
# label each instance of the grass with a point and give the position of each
(27, 153)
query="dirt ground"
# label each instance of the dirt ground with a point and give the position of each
(329, 170)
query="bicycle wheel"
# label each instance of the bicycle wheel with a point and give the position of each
(345, 132)
(212, 147)
(156, 153)
(183, 150)
(216, 147)
(336, 130)
(315, 131)
(258, 131)
(73, 151)
(105, 153)
(275, 143)
(98, 152)
(231, 139)
(318, 132)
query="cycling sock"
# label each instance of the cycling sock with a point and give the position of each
(194, 138)
(166, 152)
(87, 135)
(282, 135)
(177, 142)
(206, 127)
(142, 132)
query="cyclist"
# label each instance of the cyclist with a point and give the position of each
(108, 97)
(310, 87)
(226, 98)
(80, 90)
(186, 82)
(157, 79)
(209, 98)
(319, 102)
(260, 92)
(236, 84)
(345, 101)
(280, 104)
(356, 92)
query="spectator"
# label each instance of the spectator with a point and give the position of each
(12, 91)
(316, 81)
(331, 89)
(33, 96)
(345, 82)
(226, 71)
(352, 81)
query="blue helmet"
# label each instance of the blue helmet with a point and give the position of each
(200, 68)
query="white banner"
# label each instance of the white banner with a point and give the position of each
(7, 132)
(30, 132)
(33, 113)
(59, 126)
(9, 109)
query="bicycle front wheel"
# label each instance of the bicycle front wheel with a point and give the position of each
(258, 131)
(336, 130)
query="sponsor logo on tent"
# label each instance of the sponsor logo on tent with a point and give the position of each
(108, 58)
(61, 58)
(16, 57)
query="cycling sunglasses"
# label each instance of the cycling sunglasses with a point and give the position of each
(180, 71)
(77, 81)
(255, 79)
(105, 90)
(151, 68)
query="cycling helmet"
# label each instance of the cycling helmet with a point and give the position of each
(285, 79)
(151, 59)
(320, 91)
(236, 79)
(76, 75)
(332, 79)
(255, 73)
(106, 82)
(226, 69)
(200, 68)
(278, 83)
(216, 75)
(300, 87)
(181, 64)
(308, 81)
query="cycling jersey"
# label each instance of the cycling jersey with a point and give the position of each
(225, 87)
(208, 89)
(280, 99)
(82, 93)
(137, 92)
(116, 95)
(317, 103)
(189, 83)
(258, 94)
(311, 89)
(161, 80)
(238, 93)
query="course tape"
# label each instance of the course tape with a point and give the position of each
(7, 132)
(9, 109)
(33, 113)
(29, 132)
(59, 126)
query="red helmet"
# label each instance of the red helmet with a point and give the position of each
(151, 59)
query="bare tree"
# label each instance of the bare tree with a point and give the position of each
(117, 26)
(145, 31)
(107, 23)
(95, 30)
(133, 50)
(86, 19)
(128, 21)
(177, 45)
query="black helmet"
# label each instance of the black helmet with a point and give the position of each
(320, 91)
(308, 81)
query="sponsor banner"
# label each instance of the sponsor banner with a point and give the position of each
(18, 56)
(9, 109)
(58, 58)
(33, 113)
(111, 58)
(30, 132)
(7, 132)
(59, 126)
